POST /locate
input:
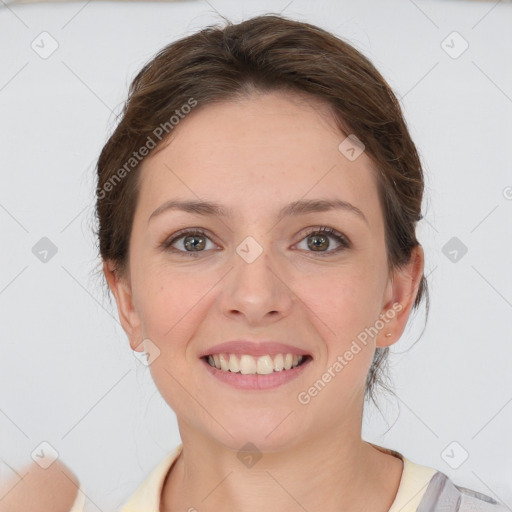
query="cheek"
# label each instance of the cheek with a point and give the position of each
(343, 297)
(343, 305)
(170, 304)
(172, 307)
(162, 300)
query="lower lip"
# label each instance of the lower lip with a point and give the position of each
(254, 381)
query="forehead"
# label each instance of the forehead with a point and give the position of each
(255, 152)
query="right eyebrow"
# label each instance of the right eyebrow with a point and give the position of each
(197, 207)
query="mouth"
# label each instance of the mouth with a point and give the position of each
(247, 364)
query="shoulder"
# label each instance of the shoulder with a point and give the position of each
(426, 489)
(146, 497)
(444, 495)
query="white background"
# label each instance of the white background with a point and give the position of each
(67, 373)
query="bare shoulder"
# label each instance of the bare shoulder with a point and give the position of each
(40, 490)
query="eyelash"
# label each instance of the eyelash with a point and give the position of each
(343, 241)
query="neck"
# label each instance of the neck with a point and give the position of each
(329, 472)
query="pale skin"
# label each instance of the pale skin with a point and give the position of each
(51, 489)
(255, 156)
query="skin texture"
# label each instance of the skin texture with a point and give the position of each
(256, 155)
(53, 489)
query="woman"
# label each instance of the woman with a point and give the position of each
(257, 206)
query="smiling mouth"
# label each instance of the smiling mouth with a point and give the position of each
(255, 365)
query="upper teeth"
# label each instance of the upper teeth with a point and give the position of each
(248, 364)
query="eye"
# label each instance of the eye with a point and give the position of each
(194, 240)
(319, 239)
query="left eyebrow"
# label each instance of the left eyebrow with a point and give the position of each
(300, 207)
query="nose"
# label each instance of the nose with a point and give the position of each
(255, 289)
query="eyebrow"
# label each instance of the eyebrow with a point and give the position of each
(300, 207)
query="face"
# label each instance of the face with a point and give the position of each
(254, 275)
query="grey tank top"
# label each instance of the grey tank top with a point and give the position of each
(442, 495)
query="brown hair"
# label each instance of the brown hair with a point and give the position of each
(265, 53)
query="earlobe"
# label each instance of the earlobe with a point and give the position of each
(404, 289)
(128, 316)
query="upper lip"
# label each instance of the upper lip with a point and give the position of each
(255, 348)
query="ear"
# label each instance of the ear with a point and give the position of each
(120, 287)
(400, 295)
